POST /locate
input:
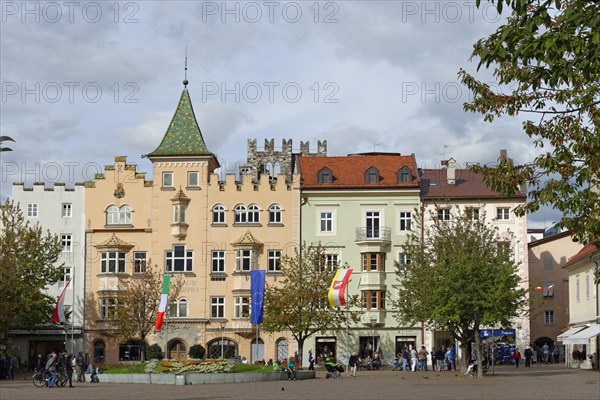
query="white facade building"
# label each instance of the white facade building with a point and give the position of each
(60, 210)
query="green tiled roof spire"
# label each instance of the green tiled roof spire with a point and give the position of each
(183, 137)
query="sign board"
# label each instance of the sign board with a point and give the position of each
(498, 332)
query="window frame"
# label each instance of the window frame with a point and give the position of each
(274, 260)
(325, 176)
(241, 258)
(502, 213)
(33, 210)
(217, 307)
(171, 259)
(241, 214)
(405, 219)
(106, 305)
(253, 214)
(170, 176)
(66, 242)
(140, 264)
(119, 262)
(275, 214)
(189, 180)
(443, 214)
(218, 214)
(67, 210)
(219, 259)
(371, 297)
(549, 317)
(372, 262)
(240, 304)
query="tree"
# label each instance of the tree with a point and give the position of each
(27, 257)
(460, 278)
(548, 53)
(299, 302)
(137, 304)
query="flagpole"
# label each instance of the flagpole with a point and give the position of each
(72, 310)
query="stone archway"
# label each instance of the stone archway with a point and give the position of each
(177, 350)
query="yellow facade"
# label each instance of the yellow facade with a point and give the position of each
(204, 245)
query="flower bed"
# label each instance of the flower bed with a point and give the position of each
(202, 366)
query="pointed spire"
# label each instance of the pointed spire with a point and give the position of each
(183, 137)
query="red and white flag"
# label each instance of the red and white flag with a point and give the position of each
(162, 307)
(338, 286)
(59, 310)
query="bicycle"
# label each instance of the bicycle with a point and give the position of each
(41, 377)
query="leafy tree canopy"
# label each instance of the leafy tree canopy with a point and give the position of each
(548, 54)
(460, 277)
(27, 257)
(298, 302)
(138, 301)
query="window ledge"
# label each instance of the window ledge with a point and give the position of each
(121, 226)
(117, 274)
(167, 188)
(275, 224)
(192, 188)
(186, 273)
(275, 273)
(248, 224)
(219, 224)
(241, 273)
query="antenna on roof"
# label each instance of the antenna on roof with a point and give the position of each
(375, 144)
(185, 81)
(444, 153)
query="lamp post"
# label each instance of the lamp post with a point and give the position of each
(222, 326)
(373, 321)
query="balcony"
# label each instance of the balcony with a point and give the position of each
(374, 235)
(373, 318)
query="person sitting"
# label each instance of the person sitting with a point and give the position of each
(367, 362)
(376, 364)
(291, 369)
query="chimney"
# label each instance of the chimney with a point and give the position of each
(451, 172)
(503, 156)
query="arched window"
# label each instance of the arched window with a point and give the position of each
(112, 215)
(118, 216)
(125, 215)
(253, 214)
(282, 349)
(240, 214)
(178, 308)
(275, 214)
(99, 347)
(218, 212)
(222, 348)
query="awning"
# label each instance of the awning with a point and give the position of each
(569, 333)
(583, 336)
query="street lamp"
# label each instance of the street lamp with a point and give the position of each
(222, 326)
(373, 321)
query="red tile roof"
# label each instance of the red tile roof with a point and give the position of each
(348, 171)
(586, 251)
(434, 185)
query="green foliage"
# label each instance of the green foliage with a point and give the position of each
(298, 302)
(459, 277)
(197, 351)
(154, 352)
(548, 53)
(27, 257)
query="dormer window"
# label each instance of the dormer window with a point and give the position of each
(372, 176)
(325, 176)
(404, 175)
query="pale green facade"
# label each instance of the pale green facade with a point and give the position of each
(349, 242)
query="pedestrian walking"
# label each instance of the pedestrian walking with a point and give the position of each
(311, 361)
(353, 363)
(79, 361)
(528, 356)
(517, 357)
(70, 363)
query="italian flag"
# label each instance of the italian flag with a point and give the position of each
(163, 302)
(59, 309)
(338, 286)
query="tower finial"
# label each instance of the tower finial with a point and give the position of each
(185, 81)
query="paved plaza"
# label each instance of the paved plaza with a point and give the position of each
(540, 382)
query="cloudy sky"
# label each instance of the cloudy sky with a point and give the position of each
(85, 81)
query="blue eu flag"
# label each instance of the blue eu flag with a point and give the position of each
(257, 295)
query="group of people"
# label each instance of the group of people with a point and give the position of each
(413, 360)
(70, 364)
(9, 365)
